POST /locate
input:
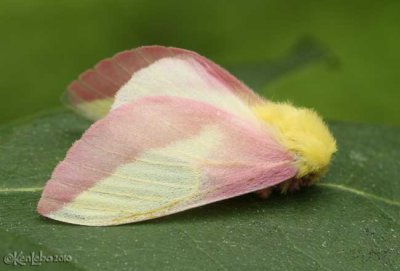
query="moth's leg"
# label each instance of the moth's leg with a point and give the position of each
(264, 193)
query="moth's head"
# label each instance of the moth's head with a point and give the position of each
(303, 133)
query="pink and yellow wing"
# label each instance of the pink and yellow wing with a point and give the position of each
(155, 71)
(161, 155)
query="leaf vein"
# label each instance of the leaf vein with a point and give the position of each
(360, 193)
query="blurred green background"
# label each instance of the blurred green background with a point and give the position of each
(45, 44)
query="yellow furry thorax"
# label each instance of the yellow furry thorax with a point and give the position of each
(303, 133)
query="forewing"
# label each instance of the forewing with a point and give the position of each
(154, 71)
(161, 155)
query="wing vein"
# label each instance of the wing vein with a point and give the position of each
(113, 194)
(127, 177)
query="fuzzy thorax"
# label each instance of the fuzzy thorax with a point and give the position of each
(303, 133)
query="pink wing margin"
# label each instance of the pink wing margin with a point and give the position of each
(109, 75)
(246, 159)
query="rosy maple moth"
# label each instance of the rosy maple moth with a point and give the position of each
(174, 131)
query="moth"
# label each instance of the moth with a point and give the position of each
(175, 131)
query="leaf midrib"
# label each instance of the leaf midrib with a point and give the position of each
(340, 187)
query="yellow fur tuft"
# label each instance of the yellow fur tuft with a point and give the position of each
(303, 133)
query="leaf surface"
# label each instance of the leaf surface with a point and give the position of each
(349, 221)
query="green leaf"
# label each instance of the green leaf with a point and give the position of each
(347, 222)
